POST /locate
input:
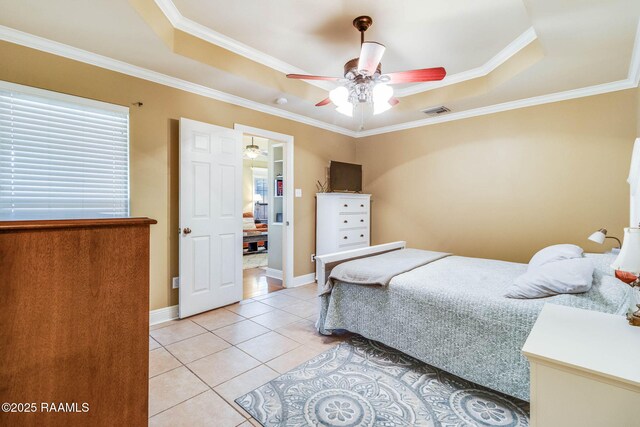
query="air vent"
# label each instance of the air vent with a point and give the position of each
(436, 111)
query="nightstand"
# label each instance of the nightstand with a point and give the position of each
(585, 369)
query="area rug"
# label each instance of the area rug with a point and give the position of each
(256, 260)
(364, 383)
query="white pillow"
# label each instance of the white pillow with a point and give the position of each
(554, 253)
(567, 276)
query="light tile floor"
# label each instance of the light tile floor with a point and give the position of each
(199, 365)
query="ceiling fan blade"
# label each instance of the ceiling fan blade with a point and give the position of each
(306, 77)
(413, 76)
(370, 56)
(323, 102)
(393, 101)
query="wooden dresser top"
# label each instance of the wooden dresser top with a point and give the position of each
(74, 223)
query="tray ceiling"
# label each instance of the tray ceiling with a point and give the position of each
(499, 54)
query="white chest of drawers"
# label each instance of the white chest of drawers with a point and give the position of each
(342, 222)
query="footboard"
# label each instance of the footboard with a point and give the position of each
(325, 263)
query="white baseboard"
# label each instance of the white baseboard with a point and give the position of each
(273, 273)
(171, 313)
(305, 279)
(163, 315)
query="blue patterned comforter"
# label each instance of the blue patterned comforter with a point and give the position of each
(451, 314)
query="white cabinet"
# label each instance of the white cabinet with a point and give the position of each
(342, 222)
(584, 369)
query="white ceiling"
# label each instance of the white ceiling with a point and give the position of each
(585, 43)
(318, 36)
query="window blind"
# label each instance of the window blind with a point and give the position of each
(61, 156)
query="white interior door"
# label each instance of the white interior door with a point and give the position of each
(210, 217)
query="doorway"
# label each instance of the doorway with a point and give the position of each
(267, 211)
(211, 215)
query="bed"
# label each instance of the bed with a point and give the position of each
(451, 313)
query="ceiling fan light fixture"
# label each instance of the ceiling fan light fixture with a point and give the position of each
(382, 93)
(252, 151)
(346, 109)
(363, 81)
(339, 96)
(381, 107)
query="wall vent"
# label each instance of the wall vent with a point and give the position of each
(436, 111)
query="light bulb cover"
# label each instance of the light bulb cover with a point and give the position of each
(382, 93)
(252, 151)
(346, 109)
(381, 107)
(339, 96)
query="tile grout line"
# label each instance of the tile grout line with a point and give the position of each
(205, 383)
(231, 345)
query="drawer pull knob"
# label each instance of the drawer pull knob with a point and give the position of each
(362, 220)
(362, 235)
(345, 237)
(345, 221)
(346, 206)
(362, 206)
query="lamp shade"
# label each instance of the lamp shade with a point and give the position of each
(599, 236)
(628, 259)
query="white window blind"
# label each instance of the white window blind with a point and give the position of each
(61, 156)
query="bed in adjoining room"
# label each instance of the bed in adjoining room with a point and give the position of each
(451, 312)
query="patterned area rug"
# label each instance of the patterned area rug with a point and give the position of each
(364, 383)
(254, 260)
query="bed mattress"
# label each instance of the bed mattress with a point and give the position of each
(451, 313)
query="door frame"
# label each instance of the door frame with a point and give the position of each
(288, 238)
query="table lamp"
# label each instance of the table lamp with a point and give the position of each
(627, 265)
(600, 235)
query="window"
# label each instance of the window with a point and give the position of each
(260, 191)
(61, 156)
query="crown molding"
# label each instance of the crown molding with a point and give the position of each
(632, 81)
(182, 23)
(522, 41)
(506, 106)
(634, 65)
(29, 40)
(60, 49)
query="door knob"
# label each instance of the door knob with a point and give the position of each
(186, 230)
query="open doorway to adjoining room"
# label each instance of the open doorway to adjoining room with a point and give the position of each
(265, 218)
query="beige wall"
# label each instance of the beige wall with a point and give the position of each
(154, 148)
(505, 185)
(498, 186)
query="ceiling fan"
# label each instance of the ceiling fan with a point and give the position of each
(363, 80)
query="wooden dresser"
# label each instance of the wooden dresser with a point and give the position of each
(342, 222)
(74, 318)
